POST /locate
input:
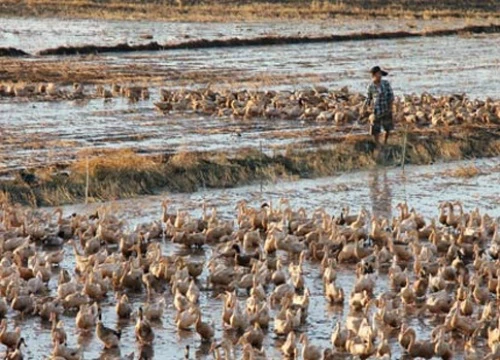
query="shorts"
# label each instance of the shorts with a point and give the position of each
(381, 121)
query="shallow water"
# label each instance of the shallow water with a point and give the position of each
(377, 190)
(45, 132)
(34, 34)
(434, 65)
(440, 65)
(41, 133)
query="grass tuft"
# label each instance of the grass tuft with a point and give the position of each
(467, 172)
(246, 10)
(125, 174)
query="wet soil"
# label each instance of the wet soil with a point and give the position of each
(378, 190)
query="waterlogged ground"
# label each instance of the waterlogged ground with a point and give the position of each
(37, 133)
(33, 34)
(379, 191)
(38, 136)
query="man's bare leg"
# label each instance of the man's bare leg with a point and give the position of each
(386, 137)
(377, 140)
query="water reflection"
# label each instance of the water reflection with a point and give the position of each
(146, 352)
(113, 353)
(380, 193)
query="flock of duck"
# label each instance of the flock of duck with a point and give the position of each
(315, 104)
(333, 106)
(52, 92)
(444, 270)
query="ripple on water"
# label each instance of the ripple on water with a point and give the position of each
(170, 343)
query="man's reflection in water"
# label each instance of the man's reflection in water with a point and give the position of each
(380, 194)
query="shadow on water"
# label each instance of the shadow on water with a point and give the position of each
(110, 354)
(380, 193)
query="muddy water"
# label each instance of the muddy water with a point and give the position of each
(49, 133)
(435, 65)
(33, 34)
(41, 132)
(378, 190)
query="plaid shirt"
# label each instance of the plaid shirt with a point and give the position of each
(381, 96)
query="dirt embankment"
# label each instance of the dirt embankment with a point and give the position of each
(12, 52)
(246, 10)
(114, 175)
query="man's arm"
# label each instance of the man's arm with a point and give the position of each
(369, 97)
(390, 93)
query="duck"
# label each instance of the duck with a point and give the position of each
(467, 306)
(229, 303)
(109, 337)
(74, 301)
(48, 307)
(86, 317)
(123, 307)
(278, 277)
(154, 311)
(365, 282)
(359, 300)
(407, 294)
(309, 351)
(9, 338)
(358, 346)
(227, 347)
(186, 319)
(254, 336)
(181, 303)
(25, 304)
(55, 258)
(442, 348)
(420, 349)
(16, 354)
(58, 333)
(480, 293)
(283, 326)
(250, 352)
(404, 335)
(334, 294)
(389, 317)
(261, 315)
(383, 349)
(143, 331)
(193, 293)
(61, 351)
(339, 337)
(204, 329)
(239, 320)
(289, 347)
(329, 274)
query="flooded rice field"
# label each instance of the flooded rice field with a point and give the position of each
(47, 133)
(32, 34)
(36, 132)
(434, 65)
(378, 191)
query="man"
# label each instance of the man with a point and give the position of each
(380, 95)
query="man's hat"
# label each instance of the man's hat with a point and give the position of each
(377, 69)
